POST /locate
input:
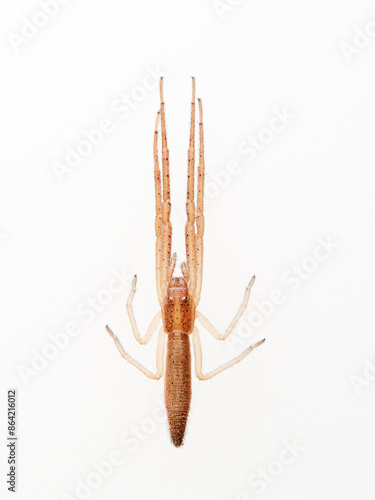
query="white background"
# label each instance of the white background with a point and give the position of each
(309, 385)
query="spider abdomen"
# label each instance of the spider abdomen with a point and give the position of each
(177, 388)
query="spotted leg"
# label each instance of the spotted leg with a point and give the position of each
(190, 237)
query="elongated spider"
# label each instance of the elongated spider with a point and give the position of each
(179, 296)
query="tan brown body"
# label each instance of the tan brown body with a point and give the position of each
(179, 297)
(177, 385)
(178, 322)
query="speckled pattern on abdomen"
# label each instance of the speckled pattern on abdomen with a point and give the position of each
(177, 388)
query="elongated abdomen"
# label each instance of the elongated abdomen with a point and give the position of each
(177, 389)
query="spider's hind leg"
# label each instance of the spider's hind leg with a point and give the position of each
(159, 355)
(198, 358)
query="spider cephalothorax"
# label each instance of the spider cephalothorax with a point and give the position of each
(178, 313)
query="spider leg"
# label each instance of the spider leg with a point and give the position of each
(209, 326)
(166, 231)
(185, 271)
(153, 325)
(158, 216)
(171, 266)
(190, 205)
(198, 358)
(159, 355)
(199, 219)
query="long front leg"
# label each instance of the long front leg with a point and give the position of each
(210, 327)
(190, 237)
(198, 358)
(158, 215)
(159, 355)
(199, 219)
(153, 325)
(166, 228)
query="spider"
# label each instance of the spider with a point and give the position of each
(179, 296)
